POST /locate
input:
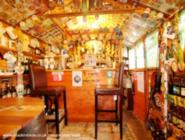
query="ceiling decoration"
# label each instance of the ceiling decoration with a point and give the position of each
(93, 23)
(43, 28)
(137, 25)
(168, 7)
(59, 21)
(14, 11)
(92, 7)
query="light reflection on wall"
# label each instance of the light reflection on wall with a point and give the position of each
(93, 22)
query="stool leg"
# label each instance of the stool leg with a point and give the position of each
(56, 116)
(65, 108)
(121, 118)
(96, 115)
(46, 103)
(116, 111)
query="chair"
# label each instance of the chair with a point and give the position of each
(51, 96)
(116, 90)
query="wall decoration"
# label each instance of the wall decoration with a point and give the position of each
(57, 76)
(77, 78)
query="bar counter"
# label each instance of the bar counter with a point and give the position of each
(22, 118)
(80, 99)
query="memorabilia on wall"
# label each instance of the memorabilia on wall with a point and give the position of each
(77, 78)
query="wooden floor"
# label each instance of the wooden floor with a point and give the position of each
(138, 128)
(133, 130)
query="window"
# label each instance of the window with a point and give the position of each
(140, 55)
(152, 50)
(132, 59)
(182, 29)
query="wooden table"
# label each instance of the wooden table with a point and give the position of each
(22, 118)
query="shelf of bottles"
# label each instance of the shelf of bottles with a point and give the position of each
(176, 102)
(8, 86)
(8, 82)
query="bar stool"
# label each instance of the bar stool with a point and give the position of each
(116, 90)
(51, 96)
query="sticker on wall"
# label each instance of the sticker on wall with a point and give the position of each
(77, 78)
(57, 76)
(140, 82)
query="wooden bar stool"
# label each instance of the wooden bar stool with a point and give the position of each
(116, 90)
(51, 96)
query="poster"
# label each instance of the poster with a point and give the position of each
(57, 76)
(140, 82)
(77, 78)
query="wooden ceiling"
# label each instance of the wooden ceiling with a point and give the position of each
(59, 21)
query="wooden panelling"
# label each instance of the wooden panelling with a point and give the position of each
(80, 100)
(141, 99)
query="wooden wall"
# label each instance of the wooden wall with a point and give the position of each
(141, 98)
(80, 100)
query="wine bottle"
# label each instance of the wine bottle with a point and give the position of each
(8, 91)
(13, 91)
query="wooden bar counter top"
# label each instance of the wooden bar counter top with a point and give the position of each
(22, 118)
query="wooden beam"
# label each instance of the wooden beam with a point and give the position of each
(94, 12)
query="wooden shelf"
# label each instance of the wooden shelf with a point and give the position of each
(35, 57)
(6, 49)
